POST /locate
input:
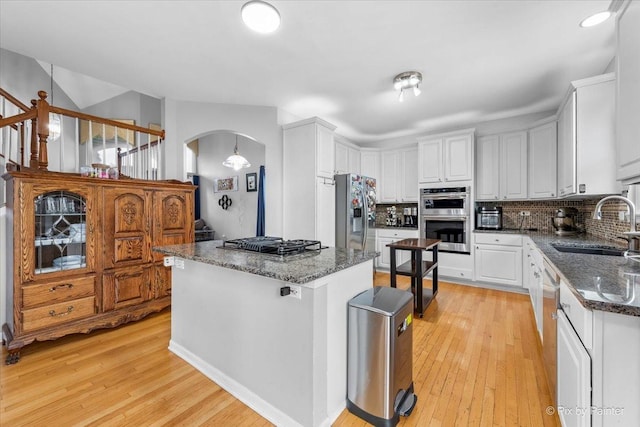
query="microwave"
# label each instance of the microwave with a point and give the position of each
(489, 218)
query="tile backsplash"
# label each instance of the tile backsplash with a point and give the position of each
(542, 212)
(381, 212)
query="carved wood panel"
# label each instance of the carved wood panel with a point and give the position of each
(126, 286)
(174, 222)
(127, 227)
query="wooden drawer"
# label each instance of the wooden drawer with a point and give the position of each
(499, 239)
(58, 291)
(55, 314)
(581, 318)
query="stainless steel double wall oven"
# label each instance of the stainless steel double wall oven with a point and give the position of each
(445, 214)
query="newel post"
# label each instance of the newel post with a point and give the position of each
(42, 106)
(33, 160)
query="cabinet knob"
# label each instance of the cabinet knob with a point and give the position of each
(553, 195)
(496, 197)
(565, 306)
(497, 240)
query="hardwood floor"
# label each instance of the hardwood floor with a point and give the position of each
(476, 362)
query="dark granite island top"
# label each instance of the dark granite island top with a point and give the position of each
(303, 268)
(600, 282)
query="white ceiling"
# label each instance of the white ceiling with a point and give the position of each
(480, 60)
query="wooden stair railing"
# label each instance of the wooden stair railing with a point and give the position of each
(38, 114)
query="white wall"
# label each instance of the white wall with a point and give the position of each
(184, 121)
(239, 220)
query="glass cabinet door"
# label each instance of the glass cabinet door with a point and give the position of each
(60, 232)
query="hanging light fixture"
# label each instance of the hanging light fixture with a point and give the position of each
(55, 125)
(236, 161)
(260, 16)
(407, 80)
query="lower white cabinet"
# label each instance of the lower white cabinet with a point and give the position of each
(574, 377)
(498, 258)
(386, 236)
(532, 272)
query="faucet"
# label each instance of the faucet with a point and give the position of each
(597, 214)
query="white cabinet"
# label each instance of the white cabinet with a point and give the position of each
(446, 157)
(532, 271)
(308, 190)
(502, 167)
(389, 184)
(628, 92)
(409, 175)
(574, 377)
(370, 164)
(347, 158)
(386, 236)
(586, 139)
(342, 158)
(498, 258)
(399, 176)
(542, 161)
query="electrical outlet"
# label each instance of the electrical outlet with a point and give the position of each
(296, 292)
(168, 261)
(525, 213)
(622, 216)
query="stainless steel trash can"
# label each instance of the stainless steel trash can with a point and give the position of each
(380, 355)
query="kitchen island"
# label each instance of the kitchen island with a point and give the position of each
(283, 356)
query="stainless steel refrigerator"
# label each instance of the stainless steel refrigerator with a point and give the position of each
(355, 212)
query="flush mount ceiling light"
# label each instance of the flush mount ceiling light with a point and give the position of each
(595, 19)
(407, 80)
(260, 16)
(236, 161)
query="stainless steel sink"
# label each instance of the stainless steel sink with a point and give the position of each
(585, 248)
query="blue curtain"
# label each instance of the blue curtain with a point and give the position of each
(261, 218)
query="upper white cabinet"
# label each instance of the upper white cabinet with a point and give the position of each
(370, 164)
(446, 157)
(398, 176)
(409, 175)
(347, 157)
(586, 138)
(542, 161)
(308, 190)
(389, 183)
(342, 158)
(502, 166)
(628, 92)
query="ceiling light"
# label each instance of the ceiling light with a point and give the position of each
(260, 16)
(595, 19)
(236, 161)
(407, 80)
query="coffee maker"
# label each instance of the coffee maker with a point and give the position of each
(564, 221)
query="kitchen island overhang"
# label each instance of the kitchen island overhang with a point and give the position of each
(284, 357)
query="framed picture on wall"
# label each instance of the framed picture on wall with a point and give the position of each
(221, 185)
(252, 181)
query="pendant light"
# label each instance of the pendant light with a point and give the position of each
(55, 125)
(236, 161)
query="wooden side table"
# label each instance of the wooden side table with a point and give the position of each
(416, 269)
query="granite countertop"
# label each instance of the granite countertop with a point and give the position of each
(600, 282)
(300, 269)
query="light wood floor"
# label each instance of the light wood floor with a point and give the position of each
(476, 362)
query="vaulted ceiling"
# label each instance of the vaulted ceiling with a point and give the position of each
(480, 60)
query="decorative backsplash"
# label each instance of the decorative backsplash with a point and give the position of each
(542, 212)
(381, 212)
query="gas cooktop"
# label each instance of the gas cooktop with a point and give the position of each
(273, 245)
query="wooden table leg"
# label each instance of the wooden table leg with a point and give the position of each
(434, 286)
(418, 278)
(392, 254)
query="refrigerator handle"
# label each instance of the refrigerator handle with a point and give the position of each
(365, 218)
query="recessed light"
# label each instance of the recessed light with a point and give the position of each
(260, 16)
(595, 19)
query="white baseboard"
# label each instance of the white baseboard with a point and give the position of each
(240, 392)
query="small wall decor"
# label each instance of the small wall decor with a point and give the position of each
(225, 184)
(224, 202)
(252, 181)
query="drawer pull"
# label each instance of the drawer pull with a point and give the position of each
(565, 306)
(56, 287)
(53, 313)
